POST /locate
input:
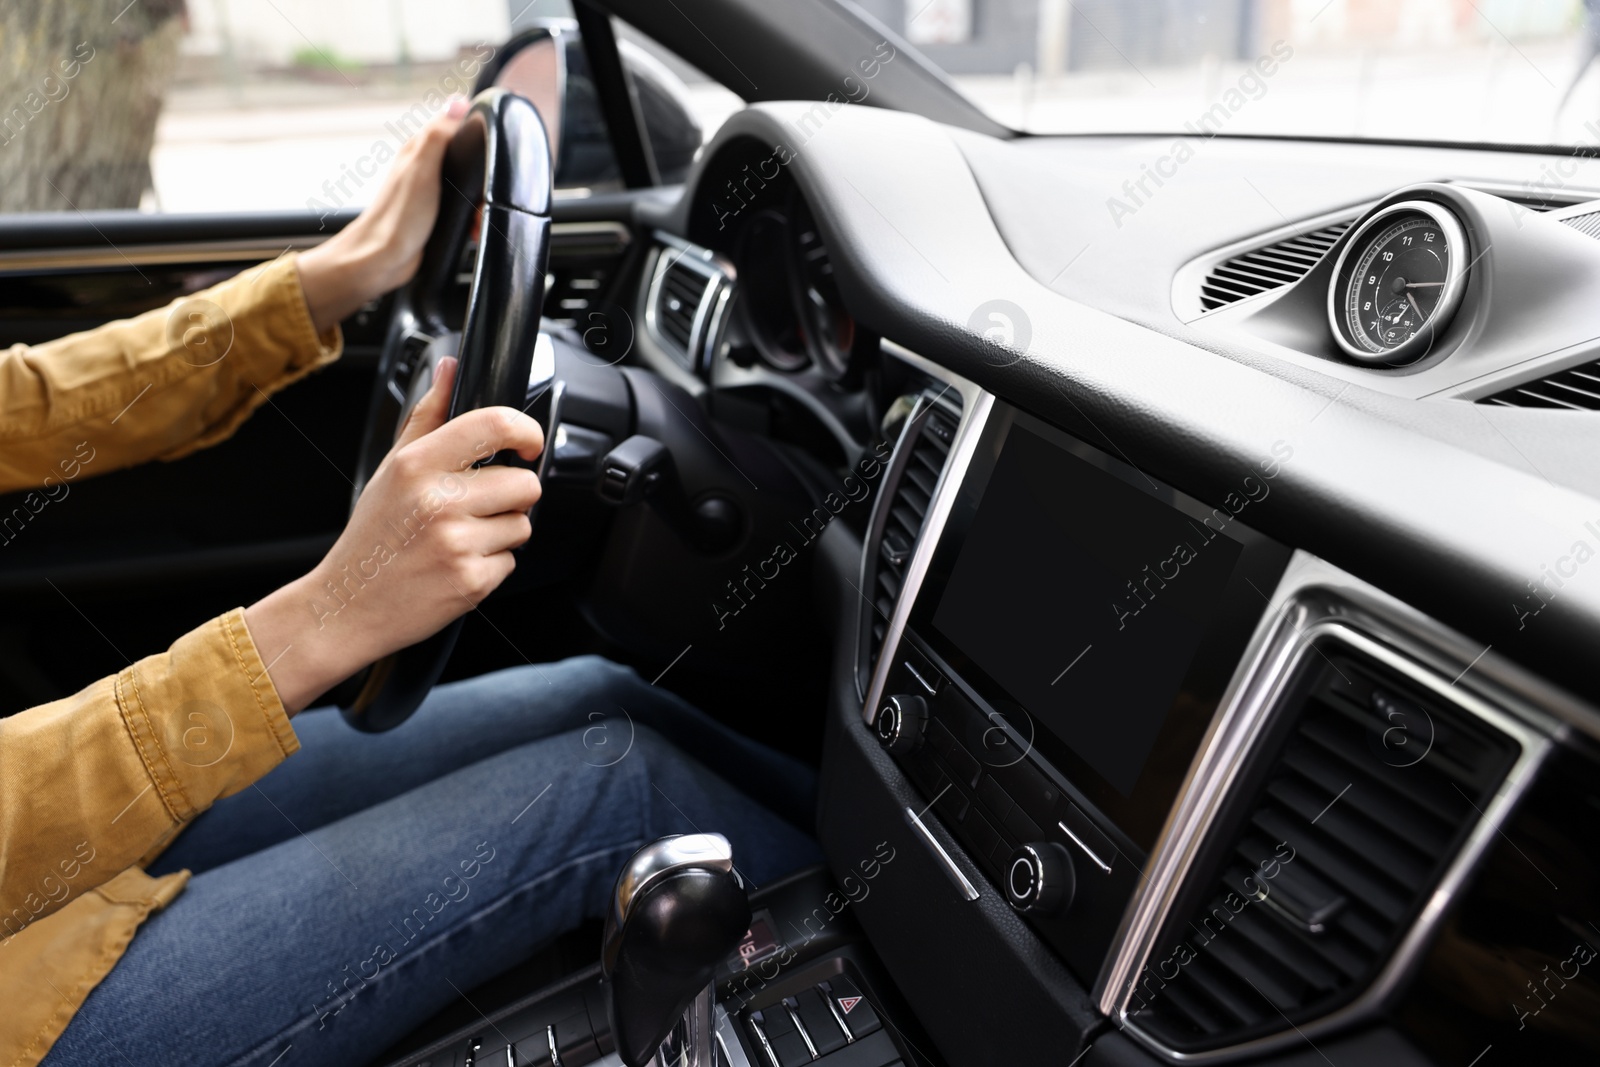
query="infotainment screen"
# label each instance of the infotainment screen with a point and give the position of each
(1097, 612)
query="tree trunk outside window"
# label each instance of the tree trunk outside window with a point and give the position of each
(81, 88)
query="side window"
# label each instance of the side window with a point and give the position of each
(205, 105)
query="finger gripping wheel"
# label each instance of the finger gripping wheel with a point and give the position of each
(497, 176)
(678, 910)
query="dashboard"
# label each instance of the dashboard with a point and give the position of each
(1216, 648)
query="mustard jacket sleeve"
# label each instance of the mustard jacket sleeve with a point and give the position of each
(91, 784)
(158, 386)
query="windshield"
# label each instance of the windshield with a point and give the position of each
(1494, 71)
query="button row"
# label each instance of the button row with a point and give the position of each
(807, 1027)
(1014, 798)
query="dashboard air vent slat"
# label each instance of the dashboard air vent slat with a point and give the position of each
(1574, 389)
(1269, 267)
(1322, 867)
(934, 431)
(1586, 224)
(682, 289)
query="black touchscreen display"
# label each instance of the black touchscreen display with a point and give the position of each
(1096, 612)
(1085, 599)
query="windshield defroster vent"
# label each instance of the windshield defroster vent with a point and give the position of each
(1327, 861)
(1269, 267)
(916, 474)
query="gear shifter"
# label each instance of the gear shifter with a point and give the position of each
(679, 908)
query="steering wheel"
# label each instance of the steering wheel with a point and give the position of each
(499, 162)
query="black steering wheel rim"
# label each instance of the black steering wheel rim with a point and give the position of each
(499, 161)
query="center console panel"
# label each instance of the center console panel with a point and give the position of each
(802, 988)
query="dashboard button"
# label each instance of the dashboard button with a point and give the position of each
(1022, 828)
(775, 1030)
(774, 1021)
(996, 799)
(820, 1022)
(982, 836)
(953, 804)
(963, 767)
(854, 1009)
(1032, 791)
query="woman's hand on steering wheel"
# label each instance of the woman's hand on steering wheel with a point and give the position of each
(430, 537)
(381, 249)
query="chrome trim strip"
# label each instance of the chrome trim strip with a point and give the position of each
(732, 1051)
(1087, 851)
(154, 255)
(920, 679)
(761, 1036)
(1316, 602)
(800, 1025)
(975, 407)
(256, 249)
(959, 880)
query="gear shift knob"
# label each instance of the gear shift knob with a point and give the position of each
(679, 908)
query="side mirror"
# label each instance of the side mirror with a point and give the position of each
(547, 64)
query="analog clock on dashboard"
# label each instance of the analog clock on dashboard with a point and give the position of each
(1397, 283)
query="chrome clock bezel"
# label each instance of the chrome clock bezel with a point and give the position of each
(1455, 236)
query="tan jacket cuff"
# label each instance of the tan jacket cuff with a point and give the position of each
(204, 716)
(274, 339)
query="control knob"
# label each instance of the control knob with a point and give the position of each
(901, 722)
(1039, 879)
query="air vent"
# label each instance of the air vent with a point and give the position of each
(1329, 860)
(686, 298)
(1587, 224)
(682, 290)
(935, 431)
(1269, 267)
(1576, 389)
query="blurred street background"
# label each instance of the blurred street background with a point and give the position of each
(267, 101)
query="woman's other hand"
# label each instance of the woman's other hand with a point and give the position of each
(382, 248)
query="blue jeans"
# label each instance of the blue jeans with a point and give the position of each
(369, 880)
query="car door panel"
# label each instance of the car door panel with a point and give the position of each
(122, 562)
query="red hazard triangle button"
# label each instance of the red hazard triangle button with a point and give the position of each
(846, 1003)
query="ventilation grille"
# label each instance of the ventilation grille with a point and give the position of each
(1577, 389)
(1266, 268)
(907, 509)
(678, 302)
(1354, 823)
(1587, 224)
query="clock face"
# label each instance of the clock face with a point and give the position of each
(1398, 283)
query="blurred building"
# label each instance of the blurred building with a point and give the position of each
(285, 33)
(1066, 36)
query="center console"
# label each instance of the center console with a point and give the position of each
(1165, 786)
(1063, 659)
